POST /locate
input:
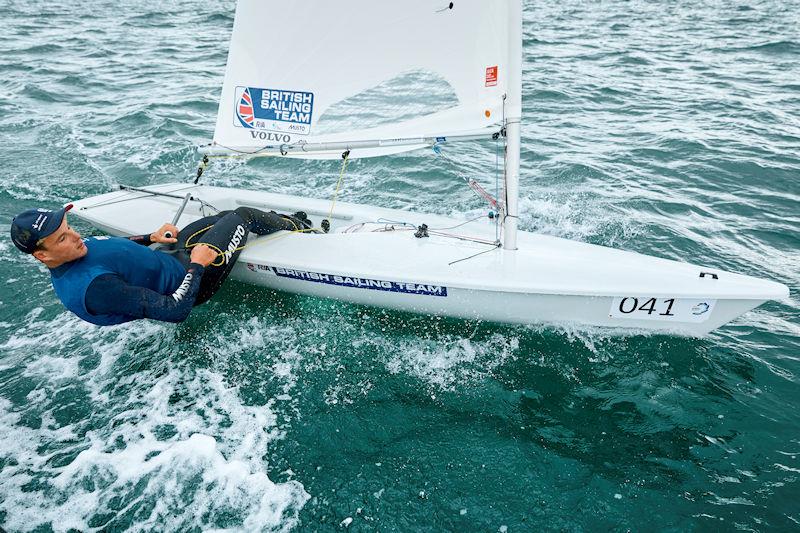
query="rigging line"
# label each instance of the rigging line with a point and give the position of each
(462, 237)
(382, 220)
(391, 227)
(203, 203)
(124, 187)
(466, 238)
(471, 183)
(126, 198)
(260, 240)
(505, 169)
(115, 201)
(498, 226)
(494, 247)
(437, 233)
(351, 229)
(146, 194)
(458, 225)
(243, 153)
(497, 185)
(345, 156)
(414, 226)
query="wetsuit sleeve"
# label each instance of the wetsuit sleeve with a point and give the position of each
(109, 294)
(141, 239)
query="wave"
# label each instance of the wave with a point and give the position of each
(777, 48)
(144, 443)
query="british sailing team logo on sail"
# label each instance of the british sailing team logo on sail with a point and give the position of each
(273, 110)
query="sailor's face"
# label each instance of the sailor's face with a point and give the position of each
(61, 246)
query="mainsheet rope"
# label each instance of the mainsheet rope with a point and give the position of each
(345, 159)
(260, 240)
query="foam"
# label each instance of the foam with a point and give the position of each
(255, 334)
(62, 367)
(23, 190)
(573, 216)
(592, 337)
(177, 448)
(451, 360)
(771, 321)
(36, 337)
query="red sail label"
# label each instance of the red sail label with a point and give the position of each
(491, 76)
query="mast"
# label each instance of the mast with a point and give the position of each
(513, 112)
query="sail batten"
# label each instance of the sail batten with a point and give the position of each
(289, 62)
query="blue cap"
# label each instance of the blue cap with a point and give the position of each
(33, 225)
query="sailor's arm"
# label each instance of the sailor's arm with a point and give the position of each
(158, 236)
(109, 294)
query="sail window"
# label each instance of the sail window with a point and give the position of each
(405, 97)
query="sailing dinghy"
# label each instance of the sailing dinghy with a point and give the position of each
(290, 62)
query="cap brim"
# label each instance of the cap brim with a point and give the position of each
(55, 222)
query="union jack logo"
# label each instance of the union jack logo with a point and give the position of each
(245, 109)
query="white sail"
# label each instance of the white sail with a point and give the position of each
(289, 62)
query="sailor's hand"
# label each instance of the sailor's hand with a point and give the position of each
(166, 234)
(203, 255)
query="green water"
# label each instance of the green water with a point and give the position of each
(670, 129)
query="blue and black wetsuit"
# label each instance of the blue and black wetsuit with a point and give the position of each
(119, 281)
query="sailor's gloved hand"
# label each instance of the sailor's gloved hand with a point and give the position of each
(165, 234)
(203, 255)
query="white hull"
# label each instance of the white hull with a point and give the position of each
(546, 280)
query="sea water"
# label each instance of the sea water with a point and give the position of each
(671, 129)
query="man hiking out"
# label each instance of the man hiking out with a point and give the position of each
(111, 280)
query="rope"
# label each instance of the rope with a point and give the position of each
(471, 183)
(245, 153)
(494, 247)
(203, 203)
(261, 240)
(345, 157)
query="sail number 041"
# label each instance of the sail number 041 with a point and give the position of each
(631, 304)
(668, 309)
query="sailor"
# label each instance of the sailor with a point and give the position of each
(111, 280)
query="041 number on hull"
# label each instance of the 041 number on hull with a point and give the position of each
(694, 310)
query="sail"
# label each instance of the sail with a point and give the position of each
(289, 62)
